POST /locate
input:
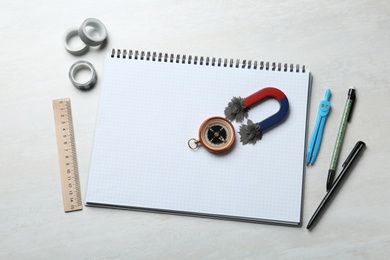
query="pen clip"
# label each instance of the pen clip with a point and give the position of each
(352, 97)
(352, 153)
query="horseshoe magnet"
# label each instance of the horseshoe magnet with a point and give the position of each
(238, 107)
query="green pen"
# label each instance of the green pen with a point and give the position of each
(340, 136)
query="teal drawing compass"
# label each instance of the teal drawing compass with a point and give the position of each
(316, 137)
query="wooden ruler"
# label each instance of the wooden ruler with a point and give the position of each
(71, 193)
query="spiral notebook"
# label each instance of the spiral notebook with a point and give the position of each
(151, 104)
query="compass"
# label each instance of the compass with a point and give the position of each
(216, 134)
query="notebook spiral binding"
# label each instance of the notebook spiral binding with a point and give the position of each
(200, 60)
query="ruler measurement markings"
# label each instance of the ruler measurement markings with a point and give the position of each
(70, 183)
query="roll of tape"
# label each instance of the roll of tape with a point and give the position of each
(70, 33)
(76, 67)
(86, 35)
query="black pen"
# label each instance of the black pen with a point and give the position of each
(346, 166)
(340, 136)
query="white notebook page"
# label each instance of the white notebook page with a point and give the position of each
(149, 110)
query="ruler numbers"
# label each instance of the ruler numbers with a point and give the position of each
(67, 156)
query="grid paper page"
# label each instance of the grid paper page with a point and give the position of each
(149, 110)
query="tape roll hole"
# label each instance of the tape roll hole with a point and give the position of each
(73, 40)
(93, 33)
(82, 73)
(95, 30)
(73, 43)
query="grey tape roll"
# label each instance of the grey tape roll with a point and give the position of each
(86, 35)
(68, 34)
(77, 67)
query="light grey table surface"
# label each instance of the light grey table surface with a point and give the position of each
(343, 43)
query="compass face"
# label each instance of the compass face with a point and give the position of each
(217, 134)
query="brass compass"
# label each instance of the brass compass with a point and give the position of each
(216, 134)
